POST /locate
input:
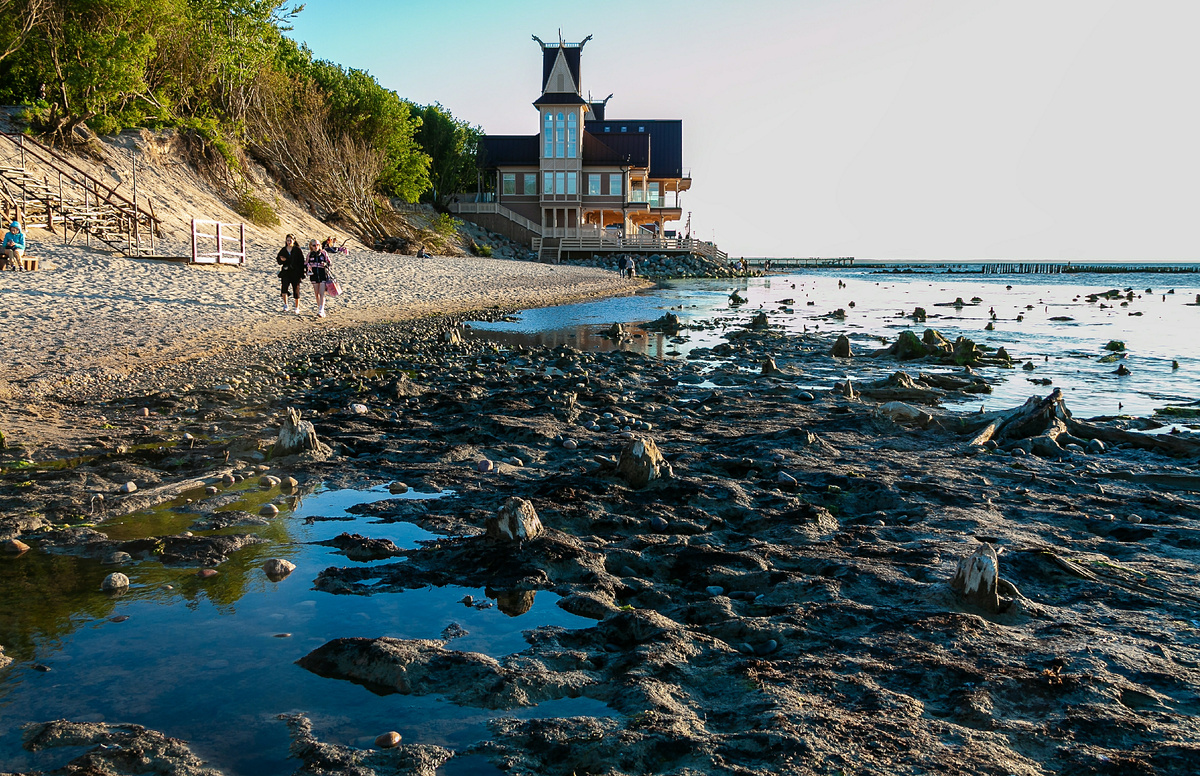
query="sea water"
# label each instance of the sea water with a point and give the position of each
(1043, 319)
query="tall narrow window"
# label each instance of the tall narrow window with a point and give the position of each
(572, 183)
(560, 183)
(548, 135)
(572, 136)
(614, 184)
(531, 183)
(654, 199)
(559, 136)
(510, 183)
(593, 184)
(547, 183)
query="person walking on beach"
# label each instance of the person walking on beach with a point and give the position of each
(291, 271)
(13, 249)
(319, 272)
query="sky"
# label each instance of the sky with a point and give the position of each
(902, 129)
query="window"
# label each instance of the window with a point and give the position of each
(593, 184)
(510, 183)
(654, 200)
(614, 184)
(560, 183)
(547, 183)
(607, 128)
(572, 136)
(559, 136)
(572, 183)
(531, 183)
(641, 129)
(548, 134)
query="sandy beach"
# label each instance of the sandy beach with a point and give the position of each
(87, 310)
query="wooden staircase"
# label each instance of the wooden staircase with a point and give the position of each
(72, 202)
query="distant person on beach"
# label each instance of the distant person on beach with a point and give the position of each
(319, 272)
(623, 266)
(13, 249)
(330, 246)
(291, 271)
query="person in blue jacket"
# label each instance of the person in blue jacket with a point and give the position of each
(13, 249)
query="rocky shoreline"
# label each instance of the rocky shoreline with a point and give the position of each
(768, 555)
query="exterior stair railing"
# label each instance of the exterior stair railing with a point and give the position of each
(77, 202)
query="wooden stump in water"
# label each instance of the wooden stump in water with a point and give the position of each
(977, 577)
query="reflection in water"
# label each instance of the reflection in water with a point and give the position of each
(212, 661)
(512, 602)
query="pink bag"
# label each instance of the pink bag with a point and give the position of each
(331, 288)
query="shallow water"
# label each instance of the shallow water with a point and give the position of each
(1066, 352)
(203, 660)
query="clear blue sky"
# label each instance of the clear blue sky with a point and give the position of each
(873, 128)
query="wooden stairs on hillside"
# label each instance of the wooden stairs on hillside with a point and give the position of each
(73, 202)
(549, 252)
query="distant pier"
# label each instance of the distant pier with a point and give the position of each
(1062, 268)
(794, 263)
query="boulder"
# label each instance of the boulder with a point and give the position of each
(769, 367)
(278, 568)
(115, 582)
(516, 520)
(389, 740)
(759, 322)
(4, 659)
(297, 437)
(841, 348)
(965, 352)
(935, 342)
(668, 324)
(907, 346)
(14, 547)
(641, 463)
(977, 577)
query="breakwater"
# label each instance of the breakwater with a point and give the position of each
(1059, 268)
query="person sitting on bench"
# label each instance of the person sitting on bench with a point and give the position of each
(13, 249)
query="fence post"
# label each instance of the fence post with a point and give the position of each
(220, 245)
(193, 241)
(242, 240)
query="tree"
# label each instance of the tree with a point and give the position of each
(453, 147)
(20, 17)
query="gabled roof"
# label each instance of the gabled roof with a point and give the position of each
(631, 150)
(570, 55)
(508, 151)
(666, 140)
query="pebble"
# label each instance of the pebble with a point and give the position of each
(786, 480)
(388, 740)
(206, 573)
(485, 465)
(114, 582)
(283, 635)
(766, 648)
(715, 590)
(268, 510)
(128, 487)
(1018, 452)
(398, 487)
(1134, 518)
(211, 490)
(228, 479)
(658, 524)
(570, 444)
(117, 558)
(359, 409)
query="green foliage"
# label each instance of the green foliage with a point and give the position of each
(256, 211)
(445, 224)
(482, 250)
(453, 147)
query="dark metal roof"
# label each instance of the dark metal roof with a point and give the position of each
(632, 150)
(666, 141)
(550, 56)
(559, 98)
(508, 150)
